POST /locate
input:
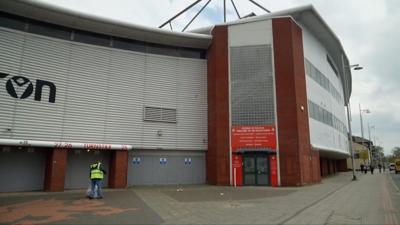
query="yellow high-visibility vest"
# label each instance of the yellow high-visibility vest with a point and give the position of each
(95, 172)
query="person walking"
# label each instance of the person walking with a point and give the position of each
(96, 177)
(362, 168)
(372, 168)
(380, 168)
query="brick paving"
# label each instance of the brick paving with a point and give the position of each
(372, 199)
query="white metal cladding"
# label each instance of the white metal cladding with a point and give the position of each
(323, 135)
(101, 93)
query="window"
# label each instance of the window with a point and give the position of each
(192, 53)
(162, 50)
(322, 80)
(49, 30)
(126, 44)
(11, 21)
(91, 38)
(330, 61)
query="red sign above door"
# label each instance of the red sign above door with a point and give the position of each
(253, 137)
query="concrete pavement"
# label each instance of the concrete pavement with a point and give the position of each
(372, 199)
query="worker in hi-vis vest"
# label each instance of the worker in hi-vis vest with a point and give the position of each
(96, 176)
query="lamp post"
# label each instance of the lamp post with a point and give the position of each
(369, 138)
(362, 129)
(355, 67)
(351, 141)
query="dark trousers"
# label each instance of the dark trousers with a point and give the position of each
(96, 191)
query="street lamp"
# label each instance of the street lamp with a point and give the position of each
(362, 129)
(369, 137)
(356, 67)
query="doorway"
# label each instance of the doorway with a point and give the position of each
(256, 169)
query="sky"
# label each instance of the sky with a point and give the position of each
(368, 30)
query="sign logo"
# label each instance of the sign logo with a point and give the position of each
(263, 136)
(21, 87)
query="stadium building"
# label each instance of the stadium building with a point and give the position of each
(258, 101)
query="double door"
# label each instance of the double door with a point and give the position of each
(256, 169)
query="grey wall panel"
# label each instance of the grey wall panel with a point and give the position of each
(198, 169)
(35, 54)
(87, 94)
(21, 170)
(124, 113)
(142, 173)
(79, 161)
(192, 104)
(160, 91)
(150, 172)
(101, 93)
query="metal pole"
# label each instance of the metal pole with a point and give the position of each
(369, 138)
(255, 3)
(196, 16)
(362, 133)
(237, 12)
(187, 8)
(351, 141)
(224, 11)
(361, 122)
(369, 132)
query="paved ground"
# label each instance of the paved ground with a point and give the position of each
(372, 199)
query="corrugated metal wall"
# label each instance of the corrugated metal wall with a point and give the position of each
(101, 93)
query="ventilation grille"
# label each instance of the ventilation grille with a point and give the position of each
(252, 92)
(159, 114)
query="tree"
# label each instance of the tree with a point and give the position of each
(377, 155)
(396, 152)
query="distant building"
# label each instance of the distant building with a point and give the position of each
(360, 156)
(258, 101)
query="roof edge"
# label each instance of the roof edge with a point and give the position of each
(65, 17)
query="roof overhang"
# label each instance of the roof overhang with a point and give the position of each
(330, 153)
(68, 18)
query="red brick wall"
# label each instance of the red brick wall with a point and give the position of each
(331, 166)
(341, 165)
(118, 169)
(324, 167)
(56, 165)
(218, 109)
(315, 170)
(298, 163)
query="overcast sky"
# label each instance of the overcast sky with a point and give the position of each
(368, 29)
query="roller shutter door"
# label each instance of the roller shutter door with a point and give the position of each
(78, 167)
(166, 168)
(22, 169)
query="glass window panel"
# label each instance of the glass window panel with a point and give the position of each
(262, 164)
(249, 165)
(92, 38)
